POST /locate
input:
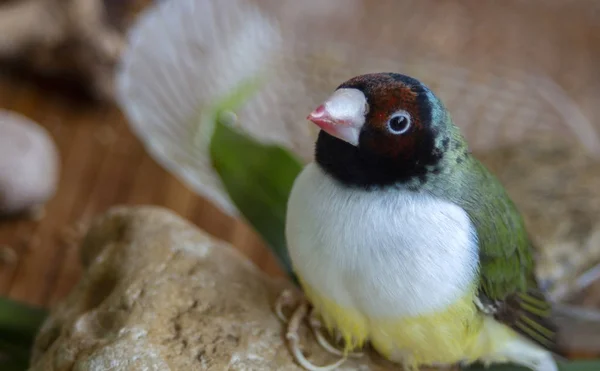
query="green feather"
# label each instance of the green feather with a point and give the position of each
(506, 269)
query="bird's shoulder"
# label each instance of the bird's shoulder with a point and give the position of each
(508, 288)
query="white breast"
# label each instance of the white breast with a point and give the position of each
(384, 253)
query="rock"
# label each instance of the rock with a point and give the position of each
(29, 164)
(159, 294)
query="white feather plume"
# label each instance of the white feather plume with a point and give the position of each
(184, 55)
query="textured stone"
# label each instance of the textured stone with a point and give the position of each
(159, 294)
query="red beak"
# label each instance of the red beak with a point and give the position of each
(341, 129)
(323, 119)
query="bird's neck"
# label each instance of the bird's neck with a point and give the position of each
(359, 169)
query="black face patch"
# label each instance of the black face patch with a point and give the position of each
(381, 158)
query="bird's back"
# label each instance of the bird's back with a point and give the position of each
(504, 244)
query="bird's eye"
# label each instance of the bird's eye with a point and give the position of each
(399, 123)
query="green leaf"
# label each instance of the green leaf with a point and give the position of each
(9, 362)
(208, 116)
(19, 323)
(14, 357)
(576, 365)
(258, 178)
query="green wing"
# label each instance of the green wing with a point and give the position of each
(508, 288)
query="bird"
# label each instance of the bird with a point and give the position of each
(402, 239)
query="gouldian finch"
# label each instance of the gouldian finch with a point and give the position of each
(401, 238)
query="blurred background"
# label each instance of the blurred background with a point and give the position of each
(505, 69)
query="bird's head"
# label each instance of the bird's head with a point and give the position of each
(381, 129)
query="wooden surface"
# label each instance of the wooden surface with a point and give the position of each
(103, 165)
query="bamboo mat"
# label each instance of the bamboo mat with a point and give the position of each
(104, 165)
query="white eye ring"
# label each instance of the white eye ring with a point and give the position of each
(399, 123)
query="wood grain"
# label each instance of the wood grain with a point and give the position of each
(103, 165)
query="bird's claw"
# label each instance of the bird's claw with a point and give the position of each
(299, 314)
(287, 298)
(315, 325)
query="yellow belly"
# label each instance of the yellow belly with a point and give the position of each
(459, 333)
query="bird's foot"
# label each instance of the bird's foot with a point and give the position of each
(300, 313)
(285, 299)
(316, 326)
